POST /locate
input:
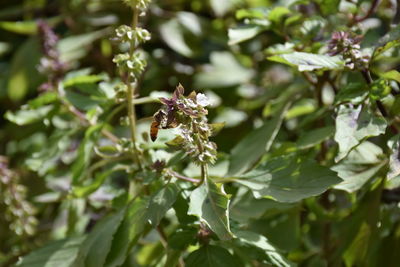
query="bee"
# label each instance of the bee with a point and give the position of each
(161, 121)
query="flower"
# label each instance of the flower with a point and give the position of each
(188, 113)
(348, 45)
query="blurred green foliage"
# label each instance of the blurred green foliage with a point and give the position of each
(308, 169)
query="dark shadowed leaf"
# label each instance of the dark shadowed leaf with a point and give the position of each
(161, 202)
(211, 256)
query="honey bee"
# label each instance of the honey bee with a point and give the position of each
(161, 121)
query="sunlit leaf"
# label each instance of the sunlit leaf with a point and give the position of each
(309, 62)
(289, 179)
(211, 204)
(354, 124)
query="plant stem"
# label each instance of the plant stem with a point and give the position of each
(131, 95)
(204, 173)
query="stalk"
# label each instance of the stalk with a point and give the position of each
(131, 95)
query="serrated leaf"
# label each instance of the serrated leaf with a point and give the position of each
(129, 231)
(309, 62)
(161, 202)
(390, 40)
(211, 256)
(359, 166)
(354, 124)
(289, 179)
(62, 253)
(98, 243)
(261, 242)
(210, 204)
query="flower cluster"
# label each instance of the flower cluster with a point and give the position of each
(189, 114)
(126, 34)
(133, 63)
(348, 45)
(19, 212)
(50, 64)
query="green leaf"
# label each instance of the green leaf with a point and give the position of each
(329, 7)
(172, 32)
(210, 203)
(129, 231)
(211, 256)
(97, 245)
(161, 202)
(62, 253)
(181, 239)
(359, 166)
(358, 249)
(315, 137)
(354, 93)
(277, 14)
(25, 27)
(83, 79)
(28, 116)
(223, 71)
(84, 153)
(353, 125)
(394, 160)
(309, 62)
(23, 71)
(261, 243)
(75, 47)
(250, 149)
(43, 99)
(85, 190)
(221, 7)
(391, 75)
(244, 33)
(289, 179)
(379, 89)
(390, 40)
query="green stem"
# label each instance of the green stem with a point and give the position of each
(131, 96)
